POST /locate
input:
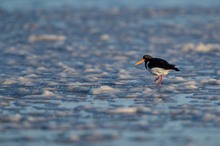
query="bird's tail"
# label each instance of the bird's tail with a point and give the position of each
(174, 68)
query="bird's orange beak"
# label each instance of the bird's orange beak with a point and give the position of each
(139, 62)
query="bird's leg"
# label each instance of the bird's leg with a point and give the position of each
(161, 78)
(160, 81)
(156, 79)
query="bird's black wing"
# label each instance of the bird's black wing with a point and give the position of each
(157, 62)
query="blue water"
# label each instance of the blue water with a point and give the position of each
(67, 74)
(48, 4)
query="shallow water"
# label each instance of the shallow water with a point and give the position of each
(67, 76)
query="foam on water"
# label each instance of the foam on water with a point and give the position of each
(68, 77)
(201, 48)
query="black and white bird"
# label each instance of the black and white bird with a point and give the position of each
(157, 67)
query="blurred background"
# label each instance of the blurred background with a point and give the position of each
(36, 4)
(67, 73)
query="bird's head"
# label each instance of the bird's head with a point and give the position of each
(145, 59)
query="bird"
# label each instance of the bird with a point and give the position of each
(157, 67)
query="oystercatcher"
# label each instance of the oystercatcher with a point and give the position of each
(157, 67)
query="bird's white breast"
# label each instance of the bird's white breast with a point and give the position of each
(158, 71)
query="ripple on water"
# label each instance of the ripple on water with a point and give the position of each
(79, 85)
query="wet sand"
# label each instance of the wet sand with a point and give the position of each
(67, 76)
